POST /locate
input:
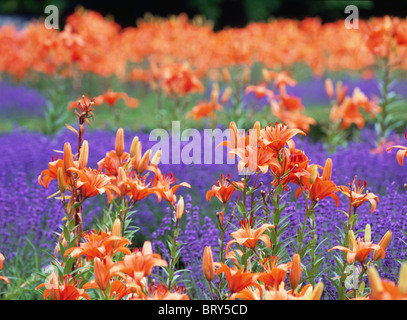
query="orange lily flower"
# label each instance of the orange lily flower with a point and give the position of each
(110, 98)
(322, 187)
(137, 189)
(359, 252)
(309, 293)
(278, 136)
(260, 91)
(357, 197)
(275, 273)
(223, 190)
(237, 279)
(161, 292)
(249, 237)
(162, 188)
(51, 173)
(400, 153)
(65, 163)
(256, 158)
(112, 162)
(99, 245)
(118, 289)
(139, 263)
(93, 182)
(66, 291)
(281, 80)
(291, 103)
(101, 269)
(204, 109)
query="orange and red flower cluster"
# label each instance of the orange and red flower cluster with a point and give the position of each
(90, 42)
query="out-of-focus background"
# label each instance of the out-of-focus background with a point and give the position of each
(224, 13)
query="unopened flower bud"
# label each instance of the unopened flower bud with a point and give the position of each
(221, 217)
(208, 266)
(266, 75)
(61, 180)
(295, 272)
(374, 281)
(226, 75)
(68, 158)
(143, 164)
(180, 208)
(84, 155)
(317, 292)
(329, 88)
(403, 278)
(134, 147)
(226, 95)
(384, 242)
(156, 158)
(368, 233)
(314, 175)
(116, 229)
(215, 93)
(116, 232)
(119, 145)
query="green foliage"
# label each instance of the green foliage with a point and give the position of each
(260, 10)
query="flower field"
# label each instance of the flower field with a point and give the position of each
(171, 161)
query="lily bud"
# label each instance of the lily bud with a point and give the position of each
(314, 174)
(384, 242)
(215, 93)
(403, 278)
(226, 75)
(156, 158)
(61, 180)
(221, 217)
(374, 281)
(208, 266)
(70, 205)
(226, 95)
(340, 92)
(116, 232)
(352, 240)
(180, 208)
(143, 164)
(119, 145)
(295, 272)
(68, 158)
(116, 229)
(326, 175)
(368, 233)
(134, 147)
(329, 88)
(266, 75)
(84, 155)
(317, 292)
